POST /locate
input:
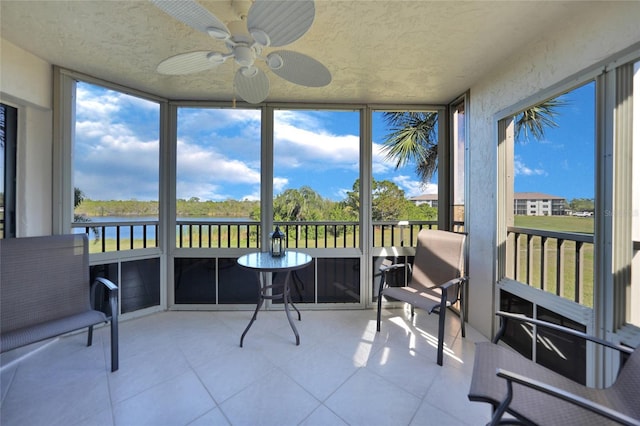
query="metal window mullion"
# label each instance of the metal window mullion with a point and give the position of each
(544, 243)
(622, 193)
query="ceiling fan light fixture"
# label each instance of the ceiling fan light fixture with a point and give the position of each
(216, 57)
(260, 37)
(244, 55)
(274, 61)
(249, 72)
(218, 33)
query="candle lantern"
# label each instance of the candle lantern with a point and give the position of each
(277, 243)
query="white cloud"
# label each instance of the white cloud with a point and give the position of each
(378, 161)
(413, 187)
(198, 167)
(521, 169)
(296, 146)
(301, 140)
(196, 163)
(279, 184)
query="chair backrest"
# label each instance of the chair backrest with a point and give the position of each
(43, 278)
(439, 258)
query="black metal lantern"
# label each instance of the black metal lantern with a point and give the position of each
(277, 243)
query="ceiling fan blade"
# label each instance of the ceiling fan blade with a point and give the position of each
(194, 15)
(299, 68)
(253, 89)
(188, 63)
(283, 21)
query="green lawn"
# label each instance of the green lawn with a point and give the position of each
(556, 223)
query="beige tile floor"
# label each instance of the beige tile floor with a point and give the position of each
(186, 368)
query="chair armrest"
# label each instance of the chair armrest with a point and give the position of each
(578, 400)
(113, 293)
(387, 268)
(444, 289)
(107, 283)
(458, 280)
(506, 316)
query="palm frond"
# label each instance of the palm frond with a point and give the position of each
(412, 139)
(532, 122)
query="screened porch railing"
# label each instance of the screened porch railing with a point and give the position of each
(556, 262)
(129, 235)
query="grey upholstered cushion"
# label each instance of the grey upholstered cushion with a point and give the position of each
(543, 409)
(21, 337)
(439, 258)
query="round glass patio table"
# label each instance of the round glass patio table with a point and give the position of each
(263, 263)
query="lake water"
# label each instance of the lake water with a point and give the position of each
(110, 231)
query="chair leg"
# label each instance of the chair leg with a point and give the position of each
(462, 309)
(499, 412)
(114, 343)
(379, 309)
(442, 311)
(441, 323)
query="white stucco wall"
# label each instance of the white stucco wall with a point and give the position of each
(561, 52)
(25, 83)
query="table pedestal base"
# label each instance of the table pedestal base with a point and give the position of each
(286, 298)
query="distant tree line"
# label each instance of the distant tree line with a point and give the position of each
(304, 204)
(582, 205)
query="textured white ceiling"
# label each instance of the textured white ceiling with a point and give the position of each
(394, 51)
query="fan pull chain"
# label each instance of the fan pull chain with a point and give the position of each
(233, 101)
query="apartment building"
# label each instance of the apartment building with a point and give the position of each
(538, 204)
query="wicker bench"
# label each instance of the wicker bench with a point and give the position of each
(45, 291)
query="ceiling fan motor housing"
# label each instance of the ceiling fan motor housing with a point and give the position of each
(244, 55)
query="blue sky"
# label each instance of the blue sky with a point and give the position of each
(562, 164)
(218, 152)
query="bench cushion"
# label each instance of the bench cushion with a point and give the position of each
(21, 337)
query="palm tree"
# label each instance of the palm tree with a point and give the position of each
(413, 139)
(533, 121)
(414, 135)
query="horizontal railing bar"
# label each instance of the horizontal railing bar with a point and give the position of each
(573, 236)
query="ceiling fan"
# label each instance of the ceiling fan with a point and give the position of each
(268, 23)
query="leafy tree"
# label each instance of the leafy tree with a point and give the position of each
(352, 202)
(296, 205)
(78, 198)
(388, 201)
(421, 212)
(341, 211)
(582, 205)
